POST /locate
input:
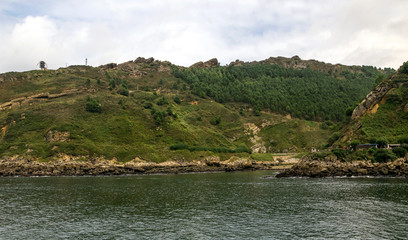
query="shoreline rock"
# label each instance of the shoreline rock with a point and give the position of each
(76, 166)
(316, 168)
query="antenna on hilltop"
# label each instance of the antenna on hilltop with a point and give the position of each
(86, 61)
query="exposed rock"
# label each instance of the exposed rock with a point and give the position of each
(66, 165)
(144, 60)
(315, 168)
(39, 97)
(210, 63)
(56, 136)
(108, 66)
(237, 63)
(371, 101)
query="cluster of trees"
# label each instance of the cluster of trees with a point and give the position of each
(303, 93)
(183, 146)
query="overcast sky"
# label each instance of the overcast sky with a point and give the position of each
(352, 32)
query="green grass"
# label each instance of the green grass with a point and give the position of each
(125, 129)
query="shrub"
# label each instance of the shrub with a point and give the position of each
(92, 105)
(162, 101)
(403, 139)
(354, 144)
(179, 146)
(399, 152)
(349, 111)
(333, 138)
(243, 148)
(215, 120)
(148, 105)
(404, 68)
(123, 91)
(257, 111)
(384, 155)
(177, 100)
(382, 143)
(340, 153)
(158, 116)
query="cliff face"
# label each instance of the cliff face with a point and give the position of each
(371, 102)
(383, 112)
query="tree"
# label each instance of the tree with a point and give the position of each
(123, 91)
(177, 100)
(162, 101)
(382, 143)
(399, 152)
(354, 144)
(92, 105)
(384, 155)
(404, 68)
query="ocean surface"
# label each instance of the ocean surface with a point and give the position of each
(238, 205)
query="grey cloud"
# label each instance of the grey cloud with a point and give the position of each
(359, 32)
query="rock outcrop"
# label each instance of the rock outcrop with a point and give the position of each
(210, 63)
(66, 165)
(315, 168)
(372, 100)
(40, 97)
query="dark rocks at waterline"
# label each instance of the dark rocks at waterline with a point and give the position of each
(77, 166)
(317, 168)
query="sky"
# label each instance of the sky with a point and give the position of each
(63, 33)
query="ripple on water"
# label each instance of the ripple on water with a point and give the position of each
(203, 206)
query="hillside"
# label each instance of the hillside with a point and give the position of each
(383, 114)
(147, 109)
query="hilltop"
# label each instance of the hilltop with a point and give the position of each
(156, 111)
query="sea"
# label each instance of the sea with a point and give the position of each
(233, 205)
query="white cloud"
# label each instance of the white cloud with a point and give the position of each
(362, 32)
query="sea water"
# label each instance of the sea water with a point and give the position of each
(238, 205)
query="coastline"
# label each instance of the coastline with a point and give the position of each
(316, 168)
(76, 166)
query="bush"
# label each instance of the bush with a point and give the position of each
(162, 101)
(354, 144)
(349, 111)
(257, 111)
(404, 68)
(333, 138)
(403, 139)
(384, 155)
(177, 100)
(215, 120)
(123, 91)
(399, 152)
(148, 105)
(179, 146)
(158, 116)
(92, 105)
(341, 154)
(382, 143)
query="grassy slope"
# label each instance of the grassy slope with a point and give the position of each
(390, 121)
(125, 129)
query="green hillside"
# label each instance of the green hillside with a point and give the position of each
(147, 109)
(383, 115)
